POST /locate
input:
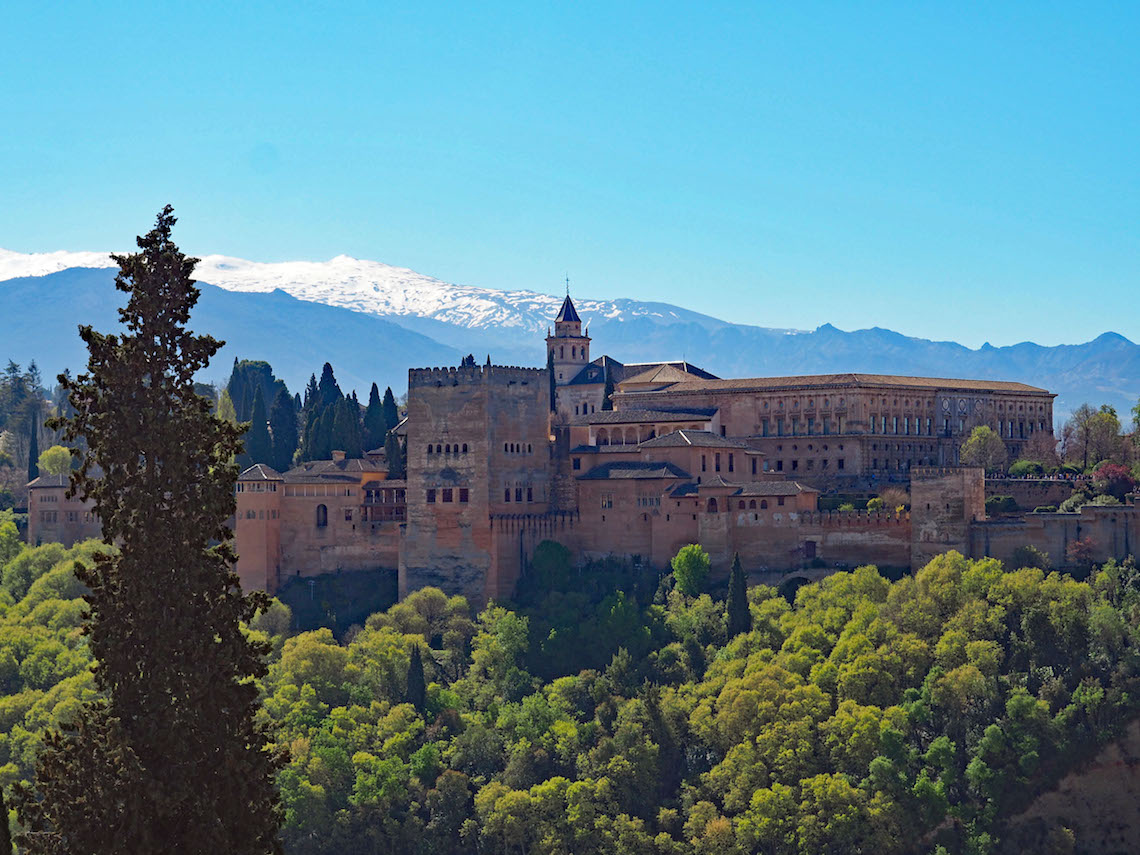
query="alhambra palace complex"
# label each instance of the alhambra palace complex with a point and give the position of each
(502, 458)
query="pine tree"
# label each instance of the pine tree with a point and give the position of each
(738, 613)
(34, 447)
(417, 688)
(391, 411)
(258, 447)
(395, 453)
(283, 427)
(169, 758)
(374, 424)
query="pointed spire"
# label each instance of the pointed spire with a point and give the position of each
(568, 314)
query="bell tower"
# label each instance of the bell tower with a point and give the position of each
(568, 350)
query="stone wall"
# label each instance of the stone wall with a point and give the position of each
(944, 504)
(1030, 493)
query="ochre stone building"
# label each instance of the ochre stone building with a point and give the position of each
(500, 458)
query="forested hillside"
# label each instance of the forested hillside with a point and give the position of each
(605, 711)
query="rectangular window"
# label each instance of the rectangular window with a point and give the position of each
(810, 464)
(723, 429)
(753, 465)
(447, 494)
(764, 428)
(507, 494)
(577, 462)
(779, 465)
(717, 461)
(72, 516)
(730, 462)
(530, 494)
(607, 501)
(463, 495)
(810, 425)
(518, 494)
(795, 465)
(780, 501)
(704, 467)
(431, 497)
(839, 463)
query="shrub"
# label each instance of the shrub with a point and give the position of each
(875, 504)
(1028, 556)
(1045, 509)
(1001, 505)
(1024, 468)
(846, 506)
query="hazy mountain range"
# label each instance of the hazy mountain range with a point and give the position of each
(373, 321)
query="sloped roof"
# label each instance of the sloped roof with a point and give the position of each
(633, 369)
(774, 488)
(661, 374)
(634, 416)
(49, 481)
(260, 472)
(348, 470)
(825, 381)
(633, 469)
(568, 314)
(595, 372)
(697, 438)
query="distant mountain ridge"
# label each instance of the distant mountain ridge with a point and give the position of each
(372, 321)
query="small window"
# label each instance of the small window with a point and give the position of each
(322, 516)
(518, 494)
(716, 459)
(447, 494)
(752, 505)
(577, 462)
(507, 494)
(780, 501)
(529, 494)
(431, 497)
(429, 448)
(463, 495)
(348, 514)
(763, 504)
(464, 448)
(740, 505)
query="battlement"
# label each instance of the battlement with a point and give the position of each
(930, 472)
(472, 375)
(853, 519)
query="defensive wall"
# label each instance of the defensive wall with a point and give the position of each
(1030, 493)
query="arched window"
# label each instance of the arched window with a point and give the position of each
(529, 448)
(438, 448)
(447, 448)
(763, 504)
(429, 448)
(322, 516)
(573, 352)
(712, 505)
(740, 505)
(752, 505)
(464, 448)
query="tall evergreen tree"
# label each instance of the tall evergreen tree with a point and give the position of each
(5, 831)
(297, 405)
(738, 614)
(226, 411)
(170, 758)
(34, 447)
(608, 392)
(322, 447)
(550, 379)
(283, 427)
(375, 426)
(346, 428)
(393, 450)
(328, 392)
(417, 688)
(391, 411)
(258, 446)
(311, 392)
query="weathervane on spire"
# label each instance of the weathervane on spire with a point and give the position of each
(567, 284)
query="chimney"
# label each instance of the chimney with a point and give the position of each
(338, 456)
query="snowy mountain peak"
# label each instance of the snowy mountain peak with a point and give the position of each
(365, 286)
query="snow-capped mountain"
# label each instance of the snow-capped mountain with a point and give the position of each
(370, 287)
(373, 321)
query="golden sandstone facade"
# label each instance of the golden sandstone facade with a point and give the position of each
(500, 458)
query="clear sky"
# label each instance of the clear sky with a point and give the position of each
(960, 171)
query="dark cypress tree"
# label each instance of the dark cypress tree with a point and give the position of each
(5, 831)
(311, 392)
(170, 758)
(283, 428)
(323, 436)
(550, 377)
(374, 425)
(328, 392)
(346, 428)
(258, 446)
(297, 405)
(391, 411)
(34, 446)
(395, 454)
(608, 392)
(738, 614)
(417, 688)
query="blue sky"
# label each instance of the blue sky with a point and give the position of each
(952, 171)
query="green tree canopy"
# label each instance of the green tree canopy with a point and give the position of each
(55, 460)
(984, 448)
(691, 569)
